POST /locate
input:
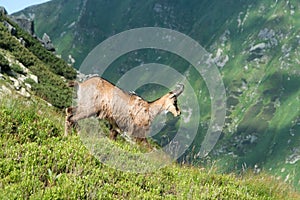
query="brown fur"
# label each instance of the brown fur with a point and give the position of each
(125, 112)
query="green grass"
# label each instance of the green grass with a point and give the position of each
(270, 80)
(37, 162)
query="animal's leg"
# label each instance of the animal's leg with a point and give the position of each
(114, 130)
(141, 140)
(73, 115)
(140, 136)
(69, 113)
(113, 134)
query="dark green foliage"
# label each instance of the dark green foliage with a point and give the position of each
(57, 66)
(17, 69)
(3, 63)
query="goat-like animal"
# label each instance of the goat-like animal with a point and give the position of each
(124, 111)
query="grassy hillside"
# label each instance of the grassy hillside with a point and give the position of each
(255, 44)
(37, 162)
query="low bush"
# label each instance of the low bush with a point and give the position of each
(4, 64)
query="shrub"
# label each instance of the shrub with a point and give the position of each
(4, 64)
(16, 68)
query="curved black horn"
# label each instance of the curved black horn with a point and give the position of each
(179, 89)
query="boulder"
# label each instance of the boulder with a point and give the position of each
(16, 83)
(12, 30)
(24, 93)
(47, 43)
(258, 47)
(33, 77)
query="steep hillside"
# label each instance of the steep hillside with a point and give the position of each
(38, 162)
(28, 68)
(255, 44)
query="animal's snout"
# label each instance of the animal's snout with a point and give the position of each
(177, 113)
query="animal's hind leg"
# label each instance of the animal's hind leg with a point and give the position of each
(114, 130)
(113, 134)
(69, 121)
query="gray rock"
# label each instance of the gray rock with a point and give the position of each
(24, 23)
(258, 47)
(3, 11)
(47, 43)
(22, 41)
(266, 34)
(33, 77)
(12, 30)
(82, 77)
(24, 93)
(16, 83)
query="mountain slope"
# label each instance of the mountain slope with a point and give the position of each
(255, 44)
(77, 26)
(38, 162)
(31, 68)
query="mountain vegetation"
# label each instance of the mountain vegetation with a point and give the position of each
(38, 162)
(255, 44)
(21, 56)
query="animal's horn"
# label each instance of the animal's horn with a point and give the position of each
(179, 89)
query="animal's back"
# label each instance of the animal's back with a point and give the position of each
(111, 102)
(99, 96)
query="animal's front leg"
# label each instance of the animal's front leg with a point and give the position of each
(140, 136)
(144, 142)
(114, 130)
(113, 134)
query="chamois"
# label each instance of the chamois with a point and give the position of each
(125, 112)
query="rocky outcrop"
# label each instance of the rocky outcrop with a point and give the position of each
(16, 81)
(47, 43)
(25, 23)
(12, 30)
(28, 25)
(3, 11)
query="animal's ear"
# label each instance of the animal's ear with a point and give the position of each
(179, 89)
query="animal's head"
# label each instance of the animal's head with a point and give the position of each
(169, 100)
